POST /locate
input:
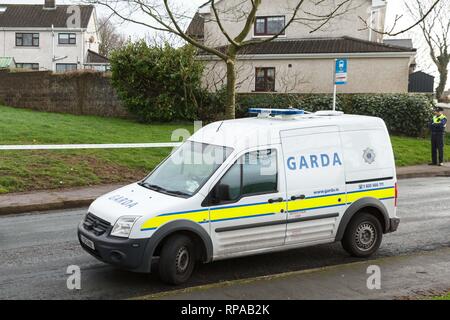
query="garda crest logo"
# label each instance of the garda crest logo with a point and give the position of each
(369, 156)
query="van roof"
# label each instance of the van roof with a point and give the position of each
(252, 132)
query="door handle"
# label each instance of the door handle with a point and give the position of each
(300, 197)
(276, 200)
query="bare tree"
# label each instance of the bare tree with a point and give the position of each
(110, 38)
(435, 29)
(164, 16)
(392, 30)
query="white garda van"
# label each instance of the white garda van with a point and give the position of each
(281, 180)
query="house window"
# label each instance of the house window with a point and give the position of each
(31, 66)
(63, 67)
(268, 26)
(67, 38)
(265, 80)
(27, 39)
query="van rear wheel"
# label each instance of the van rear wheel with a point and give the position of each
(363, 236)
(177, 259)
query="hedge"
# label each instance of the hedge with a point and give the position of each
(157, 83)
(404, 114)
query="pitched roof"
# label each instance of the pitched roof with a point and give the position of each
(94, 57)
(28, 16)
(340, 45)
(408, 43)
(422, 74)
(196, 28)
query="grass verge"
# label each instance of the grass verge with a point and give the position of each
(411, 151)
(38, 170)
(443, 297)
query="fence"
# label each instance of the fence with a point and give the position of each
(80, 93)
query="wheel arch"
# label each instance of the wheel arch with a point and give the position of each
(371, 205)
(187, 227)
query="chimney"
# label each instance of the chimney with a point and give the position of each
(50, 4)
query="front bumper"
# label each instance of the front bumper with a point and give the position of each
(393, 224)
(123, 253)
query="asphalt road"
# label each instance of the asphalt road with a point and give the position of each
(36, 249)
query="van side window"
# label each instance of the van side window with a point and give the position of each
(232, 179)
(260, 172)
(252, 174)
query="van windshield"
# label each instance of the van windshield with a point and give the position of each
(187, 169)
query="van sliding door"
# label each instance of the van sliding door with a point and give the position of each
(315, 177)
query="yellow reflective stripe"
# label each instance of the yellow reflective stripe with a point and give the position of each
(226, 213)
(259, 209)
(246, 211)
(155, 222)
(379, 194)
(319, 202)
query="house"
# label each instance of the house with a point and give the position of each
(421, 82)
(302, 60)
(50, 36)
(406, 43)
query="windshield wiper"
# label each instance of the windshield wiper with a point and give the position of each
(151, 186)
(161, 189)
(180, 193)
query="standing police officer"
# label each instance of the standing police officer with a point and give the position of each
(437, 136)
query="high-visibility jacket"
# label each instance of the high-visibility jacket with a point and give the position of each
(439, 123)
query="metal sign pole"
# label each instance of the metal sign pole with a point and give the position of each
(334, 86)
(334, 96)
(340, 77)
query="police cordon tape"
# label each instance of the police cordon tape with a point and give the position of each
(90, 146)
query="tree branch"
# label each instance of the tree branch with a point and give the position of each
(392, 33)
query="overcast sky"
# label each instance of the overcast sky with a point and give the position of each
(394, 7)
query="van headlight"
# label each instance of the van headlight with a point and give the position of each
(122, 227)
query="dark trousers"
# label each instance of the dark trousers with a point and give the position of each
(437, 147)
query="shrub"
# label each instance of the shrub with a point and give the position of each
(157, 83)
(405, 114)
(309, 102)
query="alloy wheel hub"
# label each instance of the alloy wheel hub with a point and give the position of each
(366, 236)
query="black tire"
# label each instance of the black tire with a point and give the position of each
(363, 235)
(177, 259)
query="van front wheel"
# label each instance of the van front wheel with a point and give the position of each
(177, 260)
(363, 235)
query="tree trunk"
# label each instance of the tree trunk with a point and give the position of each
(443, 75)
(230, 108)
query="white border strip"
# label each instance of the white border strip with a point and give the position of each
(91, 146)
(299, 56)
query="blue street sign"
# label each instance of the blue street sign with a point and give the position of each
(341, 71)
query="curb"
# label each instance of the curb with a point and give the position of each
(57, 205)
(412, 175)
(267, 278)
(63, 203)
(45, 200)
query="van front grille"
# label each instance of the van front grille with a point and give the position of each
(96, 225)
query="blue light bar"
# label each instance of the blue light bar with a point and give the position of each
(276, 112)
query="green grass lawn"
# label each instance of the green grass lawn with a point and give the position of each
(34, 170)
(444, 297)
(410, 151)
